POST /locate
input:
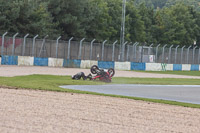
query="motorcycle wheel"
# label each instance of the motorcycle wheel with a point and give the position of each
(111, 72)
(94, 69)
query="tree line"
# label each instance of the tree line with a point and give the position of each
(167, 3)
(178, 24)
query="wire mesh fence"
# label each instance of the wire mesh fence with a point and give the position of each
(97, 51)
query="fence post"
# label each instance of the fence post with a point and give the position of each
(199, 57)
(2, 44)
(13, 47)
(113, 51)
(142, 53)
(69, 47)
(123, 50)
(182, 54)
(24, 44)
(193, 54)
(57, 42)
(169, 58)
(43, 42)
(188, 51)
(134, 48)
(149, 48)
(102, 54)
(80, 48)
(157, 53)
(176, 54)
(163, 53)
(128, 51)
(33, 49)
(91, 48)
(135, 51)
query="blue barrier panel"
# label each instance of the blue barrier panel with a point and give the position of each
(40, 61)
(106, 64)
(177, 67)
(72, 63)
(194, 68)
(138, 66)
(9, 60)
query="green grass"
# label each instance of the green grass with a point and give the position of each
(188, 73)
(52, 83)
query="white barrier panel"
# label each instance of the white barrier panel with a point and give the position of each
(122, 65)
(169, 67)
(53, 62)
(88, 63)
(153, 67)
(186, 67)
(25, 61)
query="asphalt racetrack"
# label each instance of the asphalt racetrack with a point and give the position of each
(179, 93)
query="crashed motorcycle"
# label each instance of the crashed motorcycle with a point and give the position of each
(101, 74)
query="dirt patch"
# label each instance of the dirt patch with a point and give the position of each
(40, 111)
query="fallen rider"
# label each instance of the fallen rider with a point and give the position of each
(101, 74)
(80, 75)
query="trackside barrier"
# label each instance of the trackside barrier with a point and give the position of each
(177, 67)
(155, 67)
(138, 66)
(40, 61)
(54, 62)
(25, 61)
(122, 66)
(106, 64)
(169, 67)
(72, 63)
(186, 67)
(9, 60)
(194, 68)
(88, 63)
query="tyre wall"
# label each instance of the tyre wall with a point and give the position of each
(54, 62)
(186, 67)
(9, 60)
(106, 64)
(122, 66)
(153, 67)
(88, 63)
(40, 61)
(25, 61)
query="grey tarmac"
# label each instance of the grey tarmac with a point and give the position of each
(179, 93)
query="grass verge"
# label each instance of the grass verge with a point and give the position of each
(187, 73)
(52, 83)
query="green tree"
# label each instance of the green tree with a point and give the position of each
(134, 24)
(70, 16)
(196, 17)
(179, 25)
(157, 28)
(147, 16)
(100, 26)
(21, 16)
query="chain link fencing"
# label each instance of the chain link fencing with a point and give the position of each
(98, 51)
